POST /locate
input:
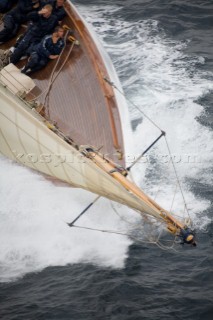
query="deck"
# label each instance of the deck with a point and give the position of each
(80, 102)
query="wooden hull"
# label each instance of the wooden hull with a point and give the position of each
(84, 106)
(27, 138)
(86, 111)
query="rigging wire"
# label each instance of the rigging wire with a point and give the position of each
(177, 178)
(143, 215)
(166, 141)
(132, 103)
(161, 178)
(123, 233)
(53, 78)
(157, 242)
(173, 200)
(160, 245)
(122, 218)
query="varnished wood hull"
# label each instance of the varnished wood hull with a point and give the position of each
(86, 110)
(84, 106)
(27, 138)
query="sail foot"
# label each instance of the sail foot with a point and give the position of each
(148, 205)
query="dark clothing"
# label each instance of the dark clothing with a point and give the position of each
(14, 18)
(59, 12)
(36, 63)
(184, 234)
(44, 2)
(34, 34)
(40, 54)
(47, 47)
(19, 13)
(42, 26)
(10, 28)
(25, 6)
(6, 5)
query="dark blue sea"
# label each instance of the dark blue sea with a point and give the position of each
(162, 51)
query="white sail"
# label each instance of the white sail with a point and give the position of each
(25, 137)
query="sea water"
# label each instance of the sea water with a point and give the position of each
(162, 52)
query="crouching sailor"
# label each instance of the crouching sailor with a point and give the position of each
(49, 49)
(187, 236)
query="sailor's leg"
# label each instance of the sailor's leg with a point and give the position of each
(21, 49)
(10, 28)
(32, 62)
(35, 63)
(41, 64)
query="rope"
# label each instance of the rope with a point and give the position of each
(122, 218)
(147, 117)
(160, 245)
(133, 104)
(157, 241)
(52, 78)
(156, 195)
(122, 233)
(52, 73)
(177, 178)
(173, 197)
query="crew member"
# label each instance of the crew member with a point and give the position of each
(49, 49)
(6, 5)
(187, 236)
(14, 18)
(58, 8)
(43, 23)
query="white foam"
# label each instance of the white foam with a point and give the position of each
(165, 84)
(33, 230)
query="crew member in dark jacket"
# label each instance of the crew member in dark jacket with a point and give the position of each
(43, 23)
(187, 236)
(48, 49)
(14, 18)
(58, 8)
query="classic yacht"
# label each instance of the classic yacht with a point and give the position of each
(69, 122)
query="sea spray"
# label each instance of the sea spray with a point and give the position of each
(164, 83)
